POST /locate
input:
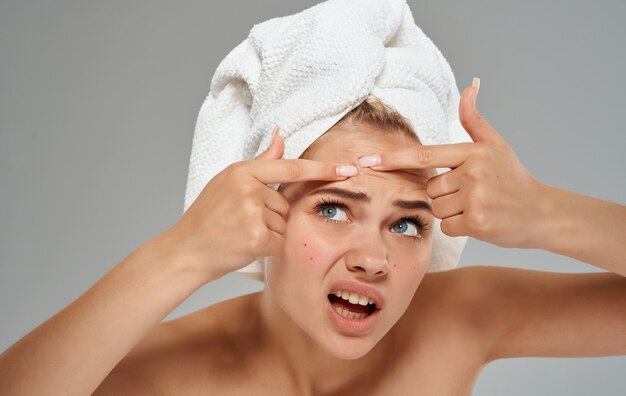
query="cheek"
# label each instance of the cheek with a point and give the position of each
(407, 276)
(410, 260)
(308, 248)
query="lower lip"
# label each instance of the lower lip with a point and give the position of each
(352, 326)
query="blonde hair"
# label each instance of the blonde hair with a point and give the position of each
(373, 112)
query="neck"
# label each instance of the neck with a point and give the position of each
(312, 369)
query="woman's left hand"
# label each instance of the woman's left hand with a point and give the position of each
(488, 194)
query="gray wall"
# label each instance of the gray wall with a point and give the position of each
(98, 101)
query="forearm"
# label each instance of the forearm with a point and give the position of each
(587, 229)
(72, 352)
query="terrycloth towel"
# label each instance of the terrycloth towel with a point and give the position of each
(303, 72)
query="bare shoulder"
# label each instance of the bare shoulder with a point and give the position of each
(182, 354)
(458, 307)
(448, 306)
(504, 312)
(445, 295)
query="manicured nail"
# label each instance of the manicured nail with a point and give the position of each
(274, 133)
(346, 170)
(476, 83)
(370, 160)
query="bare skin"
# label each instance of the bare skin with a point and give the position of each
(220, 349)
(457, 322)
(110, 340)
(439, 347)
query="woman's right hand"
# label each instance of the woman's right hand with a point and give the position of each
(238, 218)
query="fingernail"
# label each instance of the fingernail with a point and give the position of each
(370, 160)
(346, 170)
(476, 83)
(274, 133)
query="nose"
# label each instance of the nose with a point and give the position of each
(369, 256)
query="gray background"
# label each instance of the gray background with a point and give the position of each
(98, 102)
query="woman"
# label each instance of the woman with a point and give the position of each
(426, 333)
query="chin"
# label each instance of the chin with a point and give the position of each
(347, 347)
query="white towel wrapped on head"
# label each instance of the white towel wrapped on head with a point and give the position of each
(304, 72)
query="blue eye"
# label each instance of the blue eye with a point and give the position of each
(404, 226)
(335, 211)
(411, 224)
(331, 212)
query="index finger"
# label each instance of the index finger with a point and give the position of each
(295, 170)
(423, 157)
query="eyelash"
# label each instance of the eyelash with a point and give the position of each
(416, 220)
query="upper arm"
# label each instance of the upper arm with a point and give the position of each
(175, 357)
(521, 313)
(152, 366)
(136, 373)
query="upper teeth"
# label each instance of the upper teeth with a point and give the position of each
(354, 298)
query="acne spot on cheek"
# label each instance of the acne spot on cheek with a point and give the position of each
(304, 244)
(394, 266)
(413, 267)
(311, 258)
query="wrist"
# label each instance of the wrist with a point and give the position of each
(167, 252)
(550, 223)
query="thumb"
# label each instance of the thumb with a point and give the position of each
(471, 119)
(276, 147)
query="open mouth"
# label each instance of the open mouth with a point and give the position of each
(351, 306)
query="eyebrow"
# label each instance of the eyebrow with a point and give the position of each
(363, 197)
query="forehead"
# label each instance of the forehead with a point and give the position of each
(355, 138)
(347, 146)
